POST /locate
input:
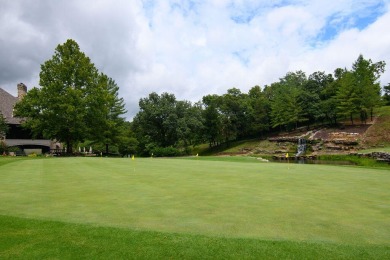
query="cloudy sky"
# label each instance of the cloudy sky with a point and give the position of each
(192, 48)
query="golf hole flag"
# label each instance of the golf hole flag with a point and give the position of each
(132, 157)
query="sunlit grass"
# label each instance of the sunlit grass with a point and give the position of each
(380, 149)
(203, 197)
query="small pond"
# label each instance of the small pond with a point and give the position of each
(313, 161)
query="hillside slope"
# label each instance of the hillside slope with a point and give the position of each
(379, 133)
(373, 134)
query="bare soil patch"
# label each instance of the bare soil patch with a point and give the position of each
(329, 134)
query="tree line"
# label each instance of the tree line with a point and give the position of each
(294, 101)
(76, 103)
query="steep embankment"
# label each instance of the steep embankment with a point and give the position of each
(379, 133)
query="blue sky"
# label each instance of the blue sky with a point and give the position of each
(193, 48)
(359, 19)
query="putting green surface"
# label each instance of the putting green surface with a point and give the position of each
(270, 201)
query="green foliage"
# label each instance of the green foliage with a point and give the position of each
(165, 122)
(189, 124)
(234, 115)
(157, 120)
(258, 111)
(165, 152)
(359, 91)
(286, 106)
(74, 102)
(128, 144)
(212, 120)
(7, 149)
(386, 96)
(312, 97)
(104, 119)
(329, 101)
(293, 101)
(3, 126)
(3, 148)
(347, 96)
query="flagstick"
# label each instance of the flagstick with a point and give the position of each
(133, 159)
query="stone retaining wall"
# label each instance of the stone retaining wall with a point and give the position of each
(380, 156)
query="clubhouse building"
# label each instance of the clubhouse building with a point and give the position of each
(18, 136)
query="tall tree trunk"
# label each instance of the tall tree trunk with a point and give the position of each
(372, 113)
(351, 118)
(69, 147)
(106, 149)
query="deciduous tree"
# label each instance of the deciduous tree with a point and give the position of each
(3, 126)
(74, 99)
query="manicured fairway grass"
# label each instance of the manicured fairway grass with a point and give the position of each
(37, 239)
(249, 207)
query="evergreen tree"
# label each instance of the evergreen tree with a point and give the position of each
(258, 111)
(386, 96)
(347, 96)
(368, 89)
(104, 115)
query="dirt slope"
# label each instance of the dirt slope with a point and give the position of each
(379, 133)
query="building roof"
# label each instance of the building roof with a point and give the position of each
(7, 103)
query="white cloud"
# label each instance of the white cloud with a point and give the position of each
(191, 48)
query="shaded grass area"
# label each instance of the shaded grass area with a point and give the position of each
(359, 161)
(38, 239)
(327, 159)
(8, 159)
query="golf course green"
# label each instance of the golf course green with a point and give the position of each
(191, 208)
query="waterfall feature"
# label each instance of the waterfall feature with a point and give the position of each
(301, 146)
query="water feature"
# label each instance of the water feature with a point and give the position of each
(312, 161)
(301, 146)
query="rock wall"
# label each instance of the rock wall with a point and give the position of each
(379, 156)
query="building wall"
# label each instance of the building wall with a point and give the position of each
(18, 136)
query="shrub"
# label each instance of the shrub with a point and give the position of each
(165, 152)
(3, 148)
(15, 149)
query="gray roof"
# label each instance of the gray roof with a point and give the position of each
(7, 103)
(15, 142)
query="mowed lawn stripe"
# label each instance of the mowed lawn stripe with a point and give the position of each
(37, 239)
(226, 199)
